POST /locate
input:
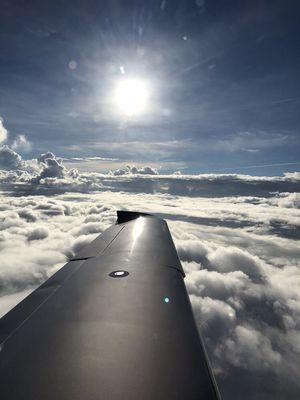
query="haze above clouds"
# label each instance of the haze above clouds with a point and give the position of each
(236, 235)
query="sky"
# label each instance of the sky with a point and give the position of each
(183, 109)
(222, 83)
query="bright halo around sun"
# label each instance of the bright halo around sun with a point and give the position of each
(131, 96)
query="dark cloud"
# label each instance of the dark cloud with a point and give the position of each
(9, 159)
(28, 215)
(52, 169)
(38, 233)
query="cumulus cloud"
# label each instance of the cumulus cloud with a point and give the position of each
(133, 170)
(289, 200)
(3, 132)
(232, 259)
(52, 168)
(38, 233)
(21, 143)
(28, 215)
(49, 170)
(9, 159)
(249, 348)
(46, 156)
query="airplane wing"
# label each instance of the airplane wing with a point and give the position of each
(114, 323)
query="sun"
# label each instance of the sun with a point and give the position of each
(131, 96)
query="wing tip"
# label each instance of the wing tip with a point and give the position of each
(126, 216)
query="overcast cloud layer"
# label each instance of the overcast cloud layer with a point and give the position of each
(236, 235)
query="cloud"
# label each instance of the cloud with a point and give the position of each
(49, 171)
(132, 170)
(289, 200)
(249, 348)
(46, 156)
(215, 284)
(51, 167)
(3, 132)
(9, 159)
(21, 143)
(27, 215)
(38, 233)
(84, 159)
(251, 142)
(232, 259)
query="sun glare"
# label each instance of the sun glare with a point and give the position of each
(131, 96)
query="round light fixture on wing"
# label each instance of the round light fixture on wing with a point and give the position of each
(131, 96)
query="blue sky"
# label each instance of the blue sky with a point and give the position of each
(223, 82)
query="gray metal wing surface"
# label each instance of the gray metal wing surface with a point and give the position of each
(114, 323)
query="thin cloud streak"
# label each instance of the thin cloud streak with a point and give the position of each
(265, 165)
